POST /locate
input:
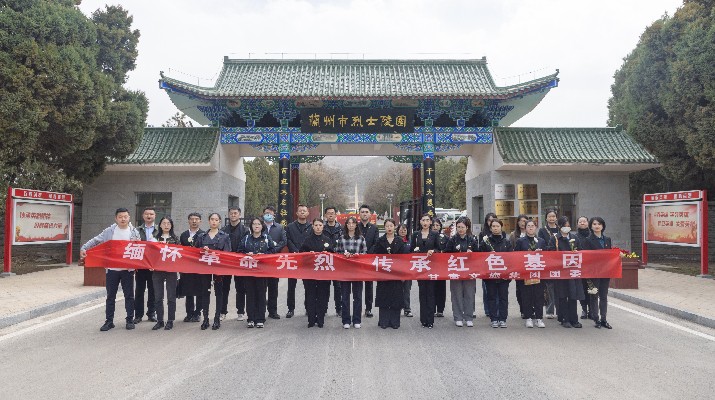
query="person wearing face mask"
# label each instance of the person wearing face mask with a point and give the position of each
(532, 292)
(599, 301)
(568, 291)
(548, 233)
(583, 234)
(317, 292)
(280, 239)
(462, 291)
(440, 287)
(497, 288)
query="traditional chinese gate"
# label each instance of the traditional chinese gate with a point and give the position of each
(411, 111)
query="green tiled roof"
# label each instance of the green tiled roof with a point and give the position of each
(174, 146)
(569, 145)
(341, 79)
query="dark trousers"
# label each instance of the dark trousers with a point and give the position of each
(368, 295)
(587, 299)
(520, 296)
(290, 298)
(356, 289)
(317, 294)
(498, 299)
(427, 302)
(337, 296)
(158, 279)
(240, 293)
(112, 282)
(599, 302)
(406, 289)
(389, 317)
(485, 300)
(532, 300)
(272, 301)
(567, 310)
(193, 306)
(440, 295)
(143, 282)
(205, 298)
(255, 298)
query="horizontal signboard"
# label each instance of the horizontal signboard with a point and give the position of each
(357, 120)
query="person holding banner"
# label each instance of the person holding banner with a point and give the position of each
(519, 232)
(190, 284)
(426, 241)
(143, 277)
(497, 242)
(599, 301)
(462, 291)
(351, 242)
(440, 287)
(236, 231)
(121, 229)
(583, 233)
(257, 242)
(484, 232)
(406, 285)
(532, 291)
(296, 232)
(548, 233)
(317, 292)
(568, 291)
(165, 234)
(213, 239)
(388, 294)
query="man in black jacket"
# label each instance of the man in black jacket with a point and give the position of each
(334, 230)
(297, 231)
(143, 277)
(278, 235)
(371, 234)
(236, 231)
(187, 239)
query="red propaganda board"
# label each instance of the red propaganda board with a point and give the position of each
(344, 217)
(676, 218)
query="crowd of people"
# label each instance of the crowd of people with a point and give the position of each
(256, 296)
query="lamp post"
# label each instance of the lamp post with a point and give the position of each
(390, 196)
(322, 199)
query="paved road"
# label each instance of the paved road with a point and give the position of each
(640, 359)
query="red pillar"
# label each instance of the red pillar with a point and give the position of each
(416, 180)
(7, 262)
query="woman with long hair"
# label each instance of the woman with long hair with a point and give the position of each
(425, 241)
(532, 292)
(484, 232)
(568, 291)
(519, 232)
(440, 287)
(165, 234)
(583, 233)
(497, 242)
(317, 292)
(388, 295)
(548, 233)
(599, 301)
(462, 291)
(350, 243)
(255, 243)
(213, 239)
(403, 233)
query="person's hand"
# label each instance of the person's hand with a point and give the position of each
(249, 253)
(206, 248)
(82, 253)
(430, 252)
(469, 250)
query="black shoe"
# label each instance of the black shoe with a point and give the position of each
(606, 325)
(107, 326)
(130, 326)
(158, 326)
(439, 314)
(152, 317)
(320, 325)
(275, 316)
(187, 318)
(290, 314)
(311, 324)
(368, 313)
(205, 324)
(430, 326)
(169, 325)
(577, 325)
(216, 325)
(196, 318)
(383, 326)
(566, 324)
(137, 320)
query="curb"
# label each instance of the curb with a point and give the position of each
(686, 315)
(49, 308)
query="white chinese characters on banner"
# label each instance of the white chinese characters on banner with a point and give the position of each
(456, 264)
(210, 258)
(172, 253)
(420, 263)
(384, 263)
(572, 260)
(134, 251)
(454, 276)
(324, 262)
(495, 262)
(433, 277)
(285, 261)
(534, 262)
(248, 262)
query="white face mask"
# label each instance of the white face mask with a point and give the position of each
(565, 230)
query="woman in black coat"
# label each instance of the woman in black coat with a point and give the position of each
(388, 296)
(599, 301)
(532, 290)
(257, 242)
(568, 291)
(425, 241)
(583, 233)
(497, 241)
(317, 292)
(548, 233)
(214, 239)
(440, 287)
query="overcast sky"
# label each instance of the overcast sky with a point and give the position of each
(521, 39)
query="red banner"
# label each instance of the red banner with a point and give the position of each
(367, 267)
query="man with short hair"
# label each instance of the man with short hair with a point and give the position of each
(121, 229)
(297, 232)
(144, 276)
(236, 231)
(278, 235)
(370, 233)
(334, 230)
(193, 308)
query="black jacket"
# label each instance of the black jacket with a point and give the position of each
(525, 243)
(184, 238)
(236, 233)
(389, 293)
(564, 243)
(548, 234)
(317, 243)
(469, 242)
(593, 243)
(297, 233)
(419, 245)
(370, 233)
(333, 232)
(382, 246)
(278, 234)
(498, 244)
(256, 245)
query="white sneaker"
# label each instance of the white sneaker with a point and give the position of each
(495, 324)
(223, 317)
(470, 324)
(459, 323)
(357, 326)
(502, 324)
(346, 326)
(259, 324)
(540, 324)
(529, 323)
(240, 317)
(549, 316)
(250, 324)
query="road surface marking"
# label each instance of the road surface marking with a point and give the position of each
(668, 323)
